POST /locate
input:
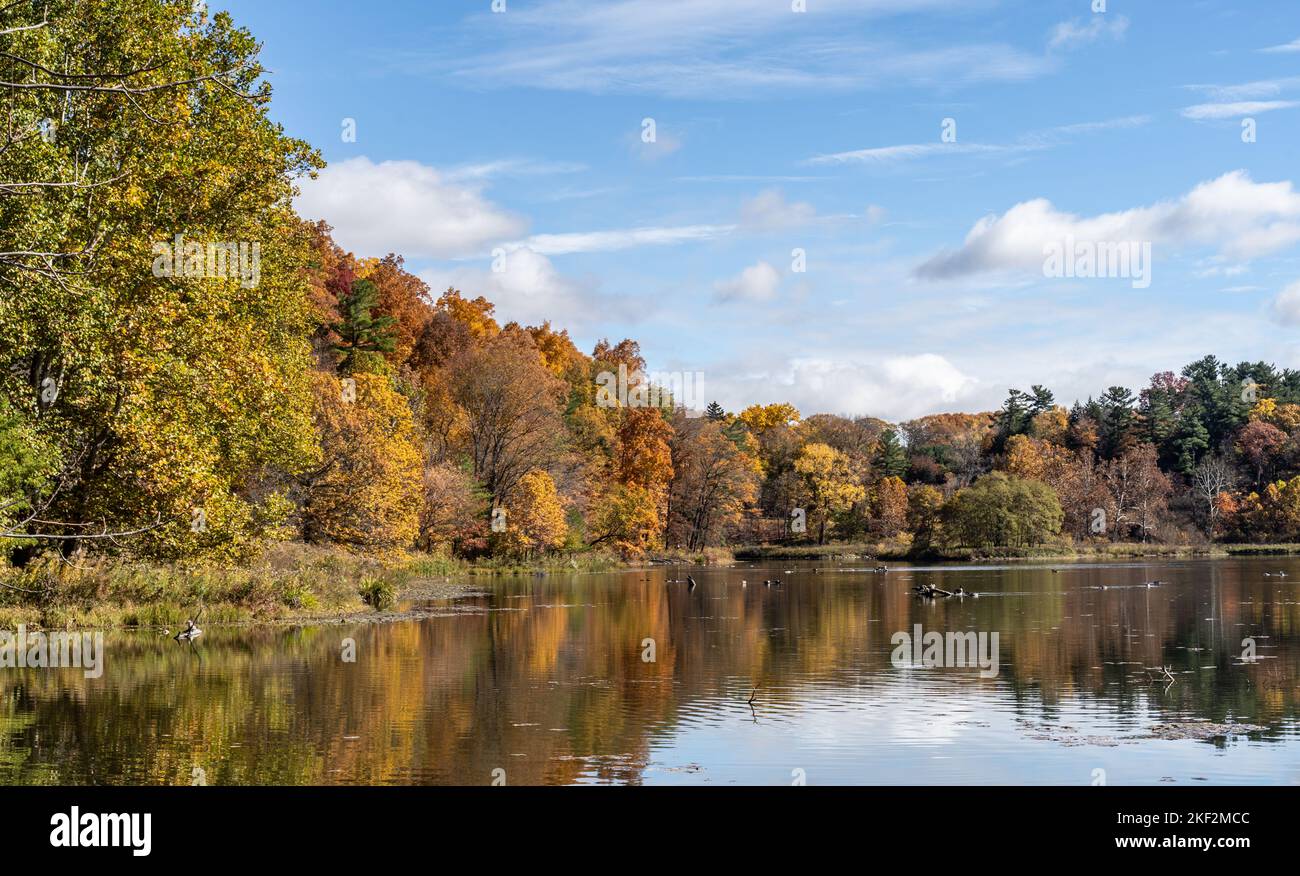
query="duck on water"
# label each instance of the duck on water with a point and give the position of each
(191, 631)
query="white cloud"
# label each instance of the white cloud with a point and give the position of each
(1247, 90)
(758, 282)
(406, 207)
(769, 210)
(1033, 141)
(1203, 111)
(894, 388)
(1244, 219)
(908, 151)
(1286, 306)
(713, 48)
(528, 289)
(510, 167)
(617, 239)
(1070, 34)
(1293, 46)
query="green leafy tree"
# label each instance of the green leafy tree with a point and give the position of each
(1001, 510)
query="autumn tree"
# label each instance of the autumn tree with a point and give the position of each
(761, 418)
(367, 492)
(511, 405)
(627, 518)
(400, 299)
(1258, 442)
(924, 510)
(452, 513)
(828, 483)
(474, 314)
(889, 505)
(167, 371)
(535, 519)
(714, 481)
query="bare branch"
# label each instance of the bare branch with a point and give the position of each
(83, 536)
(137, 90)
(49, 72)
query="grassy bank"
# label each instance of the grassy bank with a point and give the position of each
(289, 581)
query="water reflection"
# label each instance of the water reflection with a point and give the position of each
(545, 678)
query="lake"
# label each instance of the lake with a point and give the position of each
(634, 677)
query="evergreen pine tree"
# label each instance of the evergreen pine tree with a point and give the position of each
(891, 458)
(358, 331)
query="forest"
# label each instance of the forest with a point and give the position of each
(190, 371)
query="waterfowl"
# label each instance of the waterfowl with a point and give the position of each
(1275, 574)
(690, 582)
(961, 591)
(881, 569)
(190, 633)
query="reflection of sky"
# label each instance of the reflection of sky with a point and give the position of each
(896, 738)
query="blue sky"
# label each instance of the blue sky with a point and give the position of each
(924, 291)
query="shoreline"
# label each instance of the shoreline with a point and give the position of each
(1100, 553)
(294, 584)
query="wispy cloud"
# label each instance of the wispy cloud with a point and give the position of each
(1243, 99)
(619, 239)
(1030, 142)
(1293, 46)
(511, 167)
(1259, 88)
(908, 151)
(1071, 34)
(736, 177)
(720, 49)
(1203, 111)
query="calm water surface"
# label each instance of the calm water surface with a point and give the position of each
(544, 678)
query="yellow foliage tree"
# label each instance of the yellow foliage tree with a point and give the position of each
(829, 482)
(760, 418)
(475, 315)
(627, 517)
(1052, 425)
(1024, 458)
(534, 515)
(368, 490)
